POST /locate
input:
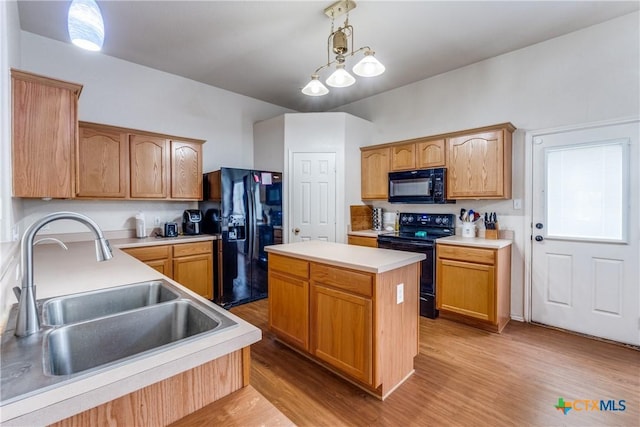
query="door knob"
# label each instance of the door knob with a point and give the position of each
(296, 230)
(539, 238)
(539, 225)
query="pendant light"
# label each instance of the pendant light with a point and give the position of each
(338, 43)
(85, 24)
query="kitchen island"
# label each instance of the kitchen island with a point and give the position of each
(156, 388)
(352, 309)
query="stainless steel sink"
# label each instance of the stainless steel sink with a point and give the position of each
(90, 305)
(74, 348)
(86, 333)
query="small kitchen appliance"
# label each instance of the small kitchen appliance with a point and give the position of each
(170, 229)
(191, 219)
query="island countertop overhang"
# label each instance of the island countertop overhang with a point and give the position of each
(361, 258)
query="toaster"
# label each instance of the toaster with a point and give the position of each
(170, 229)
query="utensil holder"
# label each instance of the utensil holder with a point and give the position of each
(468, 229)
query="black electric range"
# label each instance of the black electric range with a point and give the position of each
(417, 233)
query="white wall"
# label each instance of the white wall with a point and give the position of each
(121, 93)
(10, 209)
(586, 76)
(268, 144)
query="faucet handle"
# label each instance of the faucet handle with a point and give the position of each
(53, 239)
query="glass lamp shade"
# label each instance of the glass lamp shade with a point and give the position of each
(85, 25)
(369, 66)
(315, 87)
(340, 77)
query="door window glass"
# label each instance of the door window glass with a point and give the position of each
(586, 191)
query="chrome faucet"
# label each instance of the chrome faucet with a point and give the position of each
(28, 321)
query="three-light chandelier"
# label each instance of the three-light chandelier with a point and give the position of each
(339, 42)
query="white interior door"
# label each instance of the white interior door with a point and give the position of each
(313, 201)
(585, 259)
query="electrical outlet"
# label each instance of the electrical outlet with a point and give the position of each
(517, 204)
(15, 233)
(156, 221)
(400, 293)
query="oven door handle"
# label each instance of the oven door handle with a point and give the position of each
(415, 243)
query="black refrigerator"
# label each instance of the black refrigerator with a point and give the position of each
(248, 214)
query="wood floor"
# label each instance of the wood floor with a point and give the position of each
(464, 377)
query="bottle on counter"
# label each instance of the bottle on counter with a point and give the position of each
(141, 229)
(397, 223)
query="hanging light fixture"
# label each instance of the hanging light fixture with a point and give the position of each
(338, 43)
(85, 25)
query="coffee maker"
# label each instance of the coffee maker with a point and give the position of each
(191, 219)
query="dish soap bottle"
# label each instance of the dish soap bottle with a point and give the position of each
(141, 229)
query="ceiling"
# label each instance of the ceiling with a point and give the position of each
(268, 49)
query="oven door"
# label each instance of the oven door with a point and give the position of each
(427, 266)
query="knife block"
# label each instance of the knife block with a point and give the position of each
(491, 234)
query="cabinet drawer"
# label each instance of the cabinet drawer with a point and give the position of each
(186, 249)
(359, 283)
(363, 241)
(290, 266)
(465, 253)
(150, 253)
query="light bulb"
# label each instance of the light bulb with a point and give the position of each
(340, 77)
(368, 66)
(315, 87)
(85, 25)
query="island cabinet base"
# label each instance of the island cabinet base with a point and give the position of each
(167, 401)
(361, 325)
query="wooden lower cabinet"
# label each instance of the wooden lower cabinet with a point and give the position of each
(363, 241)
(341, 324)
(473, 285)
(351, 319)
(190, 264)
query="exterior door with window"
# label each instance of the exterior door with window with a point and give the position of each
(313, 201)
(585, 221)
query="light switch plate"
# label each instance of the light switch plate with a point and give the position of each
(400, 293)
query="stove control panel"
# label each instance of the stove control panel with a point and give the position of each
(427, 220)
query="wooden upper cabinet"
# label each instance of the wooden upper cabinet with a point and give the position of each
(375, 165)
(479, 164)
(44, 134)
(430, 154)
(186, 170)
(403, 157)
(149, 166)
(103, 156)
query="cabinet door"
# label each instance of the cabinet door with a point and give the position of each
(102, 162)
(403, 157)
(148, 166)
(466, 288)
(375, 173)
(430, 154)
(196, 273)
(479, 166)
(341, 331)
(289, 309)
(186, 170)
(44, 134)
(163, 266)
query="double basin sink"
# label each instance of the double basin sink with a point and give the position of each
(90, 331)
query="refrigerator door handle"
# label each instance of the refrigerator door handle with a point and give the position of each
(253, 225)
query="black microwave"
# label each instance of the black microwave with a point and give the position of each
(418, 186)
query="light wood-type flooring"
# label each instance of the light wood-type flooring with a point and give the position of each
(463, 377)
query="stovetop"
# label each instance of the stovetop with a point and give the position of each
(423, 226)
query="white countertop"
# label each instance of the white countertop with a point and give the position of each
(474, 241)
(58, 272)
(372, 260)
